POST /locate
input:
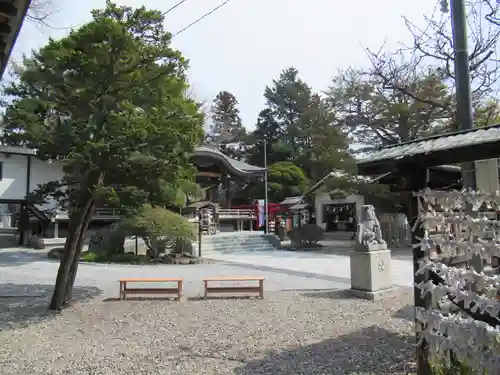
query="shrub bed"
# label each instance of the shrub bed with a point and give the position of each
(128, 258)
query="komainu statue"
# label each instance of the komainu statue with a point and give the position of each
(369, 231)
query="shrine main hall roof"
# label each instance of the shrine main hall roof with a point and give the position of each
(235, 167)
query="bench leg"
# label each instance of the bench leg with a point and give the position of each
(179, 288)
(261, 288)
(120, 296)
(124, 292)
(205, 294)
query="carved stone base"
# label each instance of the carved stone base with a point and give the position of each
(374, 296)
(371, 273)
(371, 247)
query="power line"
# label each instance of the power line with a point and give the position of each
(175, 6)
(202, 17)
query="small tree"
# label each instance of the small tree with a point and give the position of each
(159, 228)
(109, 101)
(284, 179)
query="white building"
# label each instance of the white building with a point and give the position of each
(21, 173)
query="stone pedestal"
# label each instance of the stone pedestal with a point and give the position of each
(371, 272)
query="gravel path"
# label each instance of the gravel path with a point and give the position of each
(287, 333)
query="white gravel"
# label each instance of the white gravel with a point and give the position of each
(286, 333)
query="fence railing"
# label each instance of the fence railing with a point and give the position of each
(235, 212)
(98, 212)
(104, 211)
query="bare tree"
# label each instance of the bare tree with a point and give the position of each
(40, 12)
(492, 10)
(431, 50)
(375, 114)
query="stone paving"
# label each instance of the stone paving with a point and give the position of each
(313, 264)
(25, 272)
(309, 329)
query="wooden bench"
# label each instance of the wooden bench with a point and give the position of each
(235, 289)
(176, 291)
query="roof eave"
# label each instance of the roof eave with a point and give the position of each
(468, 153)
(15, 23)
(229, 165)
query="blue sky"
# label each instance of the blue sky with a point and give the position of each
(246, 43)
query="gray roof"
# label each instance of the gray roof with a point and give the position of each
(440, 145)
(237, 167)
(16, 150)
(300, 206)
(292, 200)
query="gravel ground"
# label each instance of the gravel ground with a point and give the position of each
(286, 333)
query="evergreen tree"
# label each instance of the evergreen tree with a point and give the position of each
(227, 131)
(323, 147)
(376, 115)
(288, 98)
(109, 101)
(301, 130)
(267, 129)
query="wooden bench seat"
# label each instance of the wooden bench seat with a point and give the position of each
(124, 290)
(235, 288)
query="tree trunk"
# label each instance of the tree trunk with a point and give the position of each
(76, 259)
(70, 247)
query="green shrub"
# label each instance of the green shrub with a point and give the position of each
(128, 258)
(55, 253)
(455, 368)
(90, 256)
(159, 228)
(308, 234)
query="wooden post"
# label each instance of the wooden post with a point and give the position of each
(261, 288)
(120, 297)
(24, 220)
(199, 234)
(124, 290)
(179, 290)
(418, 179)
(205, 294)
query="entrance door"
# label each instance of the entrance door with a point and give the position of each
(340, 217)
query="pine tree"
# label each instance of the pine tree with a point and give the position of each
(227, 126)
(109, 101)
(288, 98)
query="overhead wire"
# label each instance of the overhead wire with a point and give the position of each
(201, 18)
(172, 8)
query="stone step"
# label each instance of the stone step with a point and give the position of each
(240, 242)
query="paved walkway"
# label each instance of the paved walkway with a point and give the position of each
(29, 272)
(334, 267)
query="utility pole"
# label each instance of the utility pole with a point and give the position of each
(464, 116)
(464, 120)
(266, 207)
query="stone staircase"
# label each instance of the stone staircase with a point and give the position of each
(234, 242)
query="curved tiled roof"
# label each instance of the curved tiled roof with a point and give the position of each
(448, 148)
(236, 167)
